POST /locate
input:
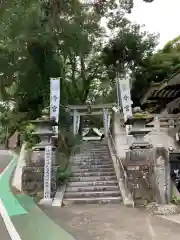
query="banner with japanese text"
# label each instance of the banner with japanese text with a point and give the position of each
(126, 101)
(54, 99)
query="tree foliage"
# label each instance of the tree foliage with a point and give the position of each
(156, 68)
(43, 39)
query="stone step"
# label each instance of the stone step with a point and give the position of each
(95, 153)
(87, 155)
(95, 169)
(106, 150)
(92, 194)
(103, 150)
(92, 166)
(95, 200)
(92, 162)
(94, 183)
(92, 178)
(89, 174)
(92, 188)
(99, 159)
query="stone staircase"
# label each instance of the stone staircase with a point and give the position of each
(93, 177)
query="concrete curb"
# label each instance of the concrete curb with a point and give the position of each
(173, 218)
(17, 178)
(126, 195)
(58, 199)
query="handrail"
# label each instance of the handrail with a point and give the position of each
(117, 158)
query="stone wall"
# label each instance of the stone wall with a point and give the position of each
(33, 174)
(138, 165)
(33, 180)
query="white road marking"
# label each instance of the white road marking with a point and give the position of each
(150, 229)
(7, 221)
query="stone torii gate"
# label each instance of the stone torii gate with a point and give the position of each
(84, 110)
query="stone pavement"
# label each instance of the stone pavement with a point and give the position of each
(112, 222)
(4, 161)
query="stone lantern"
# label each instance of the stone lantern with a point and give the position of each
(44, 130)
(139, 130)
(33, 172)
(139, 159)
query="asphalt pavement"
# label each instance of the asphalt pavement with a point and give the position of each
(5, 159)
(4, 235)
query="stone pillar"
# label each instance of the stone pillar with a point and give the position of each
(161, 177)
(156, 124)
(108, 121)
(76, 122)
(105, 121)
(120, 137)
(33, 172)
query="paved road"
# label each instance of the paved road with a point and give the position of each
(84, 222)
(29, 221)
(112, 222)
(5, 158)
(3, 231)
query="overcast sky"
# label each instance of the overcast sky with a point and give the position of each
(161, 16)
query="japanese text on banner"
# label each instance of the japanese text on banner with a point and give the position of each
(54, 98)
(125, 98)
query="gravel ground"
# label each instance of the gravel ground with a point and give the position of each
(167, 209)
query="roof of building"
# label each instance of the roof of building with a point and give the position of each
(167, 92)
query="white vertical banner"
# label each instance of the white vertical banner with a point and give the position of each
(47, 172)
(125, 97)
(55, 99)
(78, 117)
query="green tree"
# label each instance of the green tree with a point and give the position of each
(127, 52)
(55, 38)
(156, 68)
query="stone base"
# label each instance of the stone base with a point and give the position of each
(141, 145)
(37, 156)
(47, 202)
(33, 180)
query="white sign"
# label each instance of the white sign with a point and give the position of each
(47, 173)
(54, 98)
(126, 101)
